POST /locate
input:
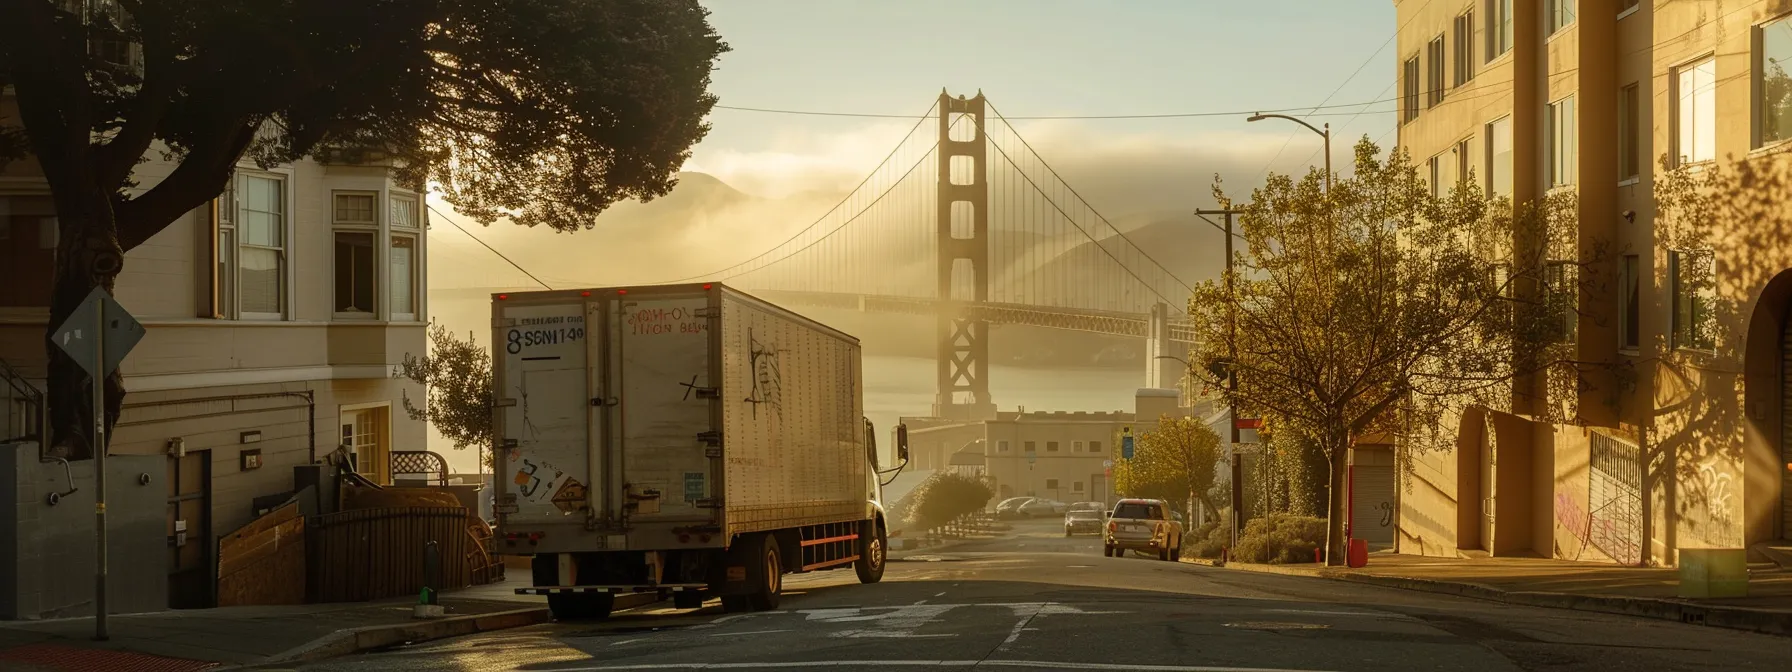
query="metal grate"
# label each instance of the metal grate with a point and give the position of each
(420, 462)
(61, 658)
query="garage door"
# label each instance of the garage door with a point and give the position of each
(1372, 505)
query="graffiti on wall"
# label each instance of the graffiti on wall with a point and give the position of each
(1717, 490)
(1609, 520)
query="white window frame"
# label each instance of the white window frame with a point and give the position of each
(1559, 14)
(284, 177)
(1493, 155)
(1076, 446)
(1678, 112)
(1499, 30)
(1757, 82)
(1002, 446)
(1624, 11)
(413, 233)
(371, 228)
(1564, 141)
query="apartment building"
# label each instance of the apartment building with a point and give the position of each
(274, 319)
(1684, 431)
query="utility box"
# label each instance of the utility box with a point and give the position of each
(1713, 572)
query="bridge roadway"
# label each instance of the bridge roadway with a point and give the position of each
(1135, 325)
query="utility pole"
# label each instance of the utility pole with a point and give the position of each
(1232, 457)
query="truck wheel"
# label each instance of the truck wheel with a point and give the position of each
(687, 599)
(766, 575)
(871, 554)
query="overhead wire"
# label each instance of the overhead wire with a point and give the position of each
(483, 244)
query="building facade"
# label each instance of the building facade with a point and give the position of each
(274, 316)
(1681, 439)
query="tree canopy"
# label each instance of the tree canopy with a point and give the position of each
(1175, 462)
(544, 112)
(457, 376)
(1381, 308)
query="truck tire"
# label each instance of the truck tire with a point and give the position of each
(872, 553)
(765, 574)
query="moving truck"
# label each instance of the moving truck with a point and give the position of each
(685, 440)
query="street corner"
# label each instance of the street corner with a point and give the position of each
(53, 657)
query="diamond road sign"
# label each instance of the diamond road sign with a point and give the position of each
(98, 316)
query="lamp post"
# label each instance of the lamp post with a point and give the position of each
(1327, 134)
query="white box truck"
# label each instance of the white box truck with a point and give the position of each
(685, 440)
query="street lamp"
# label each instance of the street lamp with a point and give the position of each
(1327, 134)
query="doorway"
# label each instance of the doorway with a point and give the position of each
(190, 584)
(364, 434)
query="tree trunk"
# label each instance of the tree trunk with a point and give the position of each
(87, 256)
(1337, 453)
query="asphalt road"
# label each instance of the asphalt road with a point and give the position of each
(1038, 601)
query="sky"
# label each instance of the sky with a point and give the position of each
(1039, 58)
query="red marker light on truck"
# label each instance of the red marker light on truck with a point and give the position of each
(502, 297)
(706, 285)
(585, 293)
(621, 291)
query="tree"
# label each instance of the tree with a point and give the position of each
(543, 112)
(457, 380)
(1174, 462)
(945, 496)
(1378, 308)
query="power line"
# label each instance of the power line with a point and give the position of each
(1313, 112)
(476, 239)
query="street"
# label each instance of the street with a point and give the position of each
(1034, 600)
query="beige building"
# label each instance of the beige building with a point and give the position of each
(1058, 455)
(274, 319)
(1682, 441)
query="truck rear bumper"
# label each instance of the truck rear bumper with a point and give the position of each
(560, 590)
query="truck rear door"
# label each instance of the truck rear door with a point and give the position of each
(664, 349)
(545, 391)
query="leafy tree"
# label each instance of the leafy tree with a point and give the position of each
(1378, 308)
(544, 112)
(1175, 462)
(457, 380)
(945, 496)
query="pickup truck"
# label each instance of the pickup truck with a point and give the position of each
(1143, 525)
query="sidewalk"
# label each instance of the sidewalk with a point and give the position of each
(199, 639)
(1638, 591)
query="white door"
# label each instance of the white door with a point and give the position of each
(361, 433)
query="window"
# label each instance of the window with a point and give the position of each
(1139, 511)
(406, 258)
(1434, 72)
(28, 237)
(261, 247)
(1692, 275)
(1076, 447)
(1630, 134)
(1465, 48)
(1051, 446)
(1462, 165)
(1434, 178)
(356, 229)
(363, 433)
(1410, 90)
(1076, 487)
(1051, 484)
(1560, 14)
(1499, 157)
(1563, 144)
(1773, 84)
(1001, 446)
(224, 279)
(1629, 282)
(1094, 446)
(1559, 279)
(1499, 28)
(1028, 446)
(1695, 112)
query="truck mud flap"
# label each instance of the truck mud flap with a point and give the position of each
(560, 590)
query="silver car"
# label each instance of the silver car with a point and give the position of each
(1143, 525)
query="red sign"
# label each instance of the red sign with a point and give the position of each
(1248, 423)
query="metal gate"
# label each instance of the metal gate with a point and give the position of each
(1615, 499)
(371, 554)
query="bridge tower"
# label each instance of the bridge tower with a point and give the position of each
(963, 248)
(1164, 364)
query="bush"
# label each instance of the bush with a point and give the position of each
(1208, 539)
(1291, 538)
(945, 496)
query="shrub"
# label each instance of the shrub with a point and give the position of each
(1208, 539)
(945, 496)
(1289, 538)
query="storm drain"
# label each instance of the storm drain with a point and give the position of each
(59, 658)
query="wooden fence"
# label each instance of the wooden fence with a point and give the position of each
(264, 562)
(370, 554)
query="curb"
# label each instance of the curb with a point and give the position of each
(350, 641)
(1763, 621)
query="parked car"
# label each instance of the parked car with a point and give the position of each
(1087, 506)
(1079, 521)
(1042, 508)
(1143, 525)
(1010, 508)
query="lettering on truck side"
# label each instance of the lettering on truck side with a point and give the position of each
(519, 339)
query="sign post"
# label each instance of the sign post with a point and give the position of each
(97, 336)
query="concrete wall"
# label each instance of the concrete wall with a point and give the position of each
(47, 551)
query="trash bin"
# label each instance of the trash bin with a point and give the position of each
(1359, 552)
